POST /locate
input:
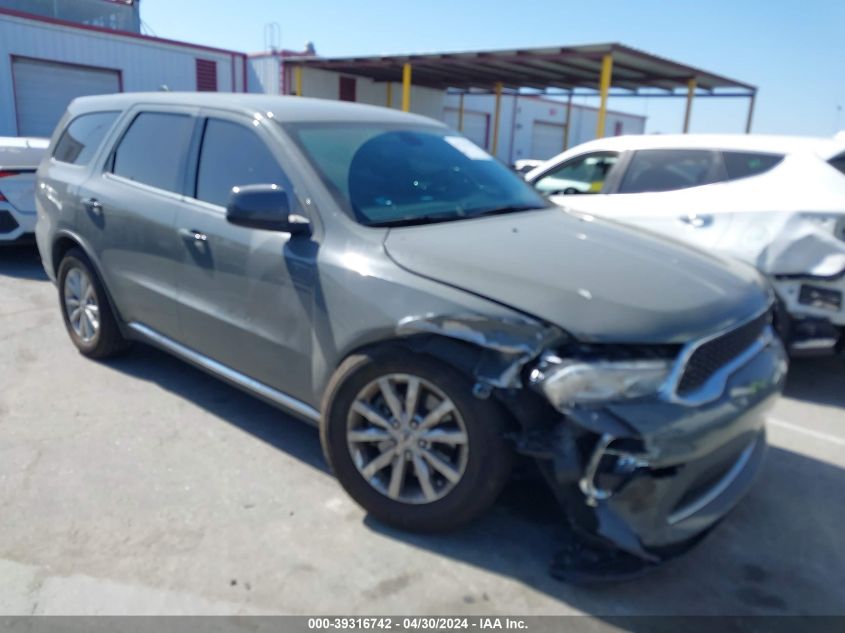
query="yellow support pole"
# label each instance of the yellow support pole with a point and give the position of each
(568, 122)
(497, 114)
(389, 97)
(604, 88)
(406, 87)
(691, 86)
(297, 80)
(461, 113)
(750, 118)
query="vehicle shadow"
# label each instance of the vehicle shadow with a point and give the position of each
(817, 380)
(768, 557)
(779, 553)
(240, 409)
(22, 262)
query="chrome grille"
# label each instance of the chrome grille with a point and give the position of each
(714, 354)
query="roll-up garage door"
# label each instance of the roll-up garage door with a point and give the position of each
(43, 91)
(546, 140)
(475, 125)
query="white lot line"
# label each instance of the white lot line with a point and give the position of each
(825, 437)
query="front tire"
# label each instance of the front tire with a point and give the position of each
(410, 443)
(85, 308)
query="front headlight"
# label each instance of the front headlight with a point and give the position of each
(567, 382)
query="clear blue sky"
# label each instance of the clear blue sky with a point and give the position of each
(794, 51)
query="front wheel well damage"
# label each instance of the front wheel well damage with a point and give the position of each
(460, 355)
(498, 358)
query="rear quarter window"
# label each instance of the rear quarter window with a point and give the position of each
(82, 137)
(745, 164)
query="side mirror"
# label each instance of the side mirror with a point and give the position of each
(265, 207)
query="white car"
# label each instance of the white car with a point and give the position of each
(777, 202)
(524, 165)
(19, 158)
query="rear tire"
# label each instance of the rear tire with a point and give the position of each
(86, 311)
(440, 470)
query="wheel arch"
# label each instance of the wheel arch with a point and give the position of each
(483, 366)
(64, 242)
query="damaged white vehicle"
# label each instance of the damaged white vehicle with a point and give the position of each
(777, 202)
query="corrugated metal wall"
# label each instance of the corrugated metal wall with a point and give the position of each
(144, 64)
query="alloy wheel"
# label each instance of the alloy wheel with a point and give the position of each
(81, 305)
(407, 439)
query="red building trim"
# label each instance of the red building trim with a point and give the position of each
(58, 62)
(206, 74)
(347, 88)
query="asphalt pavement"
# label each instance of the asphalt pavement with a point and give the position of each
(142, 485)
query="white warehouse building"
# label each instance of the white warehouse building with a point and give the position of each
(532, 126)
(58, 50)
(70, 48)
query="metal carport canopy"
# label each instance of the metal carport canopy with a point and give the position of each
(580, 70)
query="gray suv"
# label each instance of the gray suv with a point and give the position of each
(377, 274)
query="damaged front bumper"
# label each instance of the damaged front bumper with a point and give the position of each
(650, 476)
(803, 255)
(643, 474)
(813, 312)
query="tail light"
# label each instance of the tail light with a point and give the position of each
(6, 174)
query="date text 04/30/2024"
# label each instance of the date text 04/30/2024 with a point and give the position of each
(415, 623)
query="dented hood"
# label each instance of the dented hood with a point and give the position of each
(598, 280)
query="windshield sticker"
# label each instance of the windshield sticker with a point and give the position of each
(467, 148)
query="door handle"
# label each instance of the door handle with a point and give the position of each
(193, 234)
(697, 221)
(93, 205)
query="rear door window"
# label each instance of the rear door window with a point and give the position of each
(745, 164)
(232, 155)
(82, 137)
(153, 150)
(653, 170)
(582, 174)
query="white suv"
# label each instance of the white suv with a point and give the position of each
(19, 158)
(777, 202)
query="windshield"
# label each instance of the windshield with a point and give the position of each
(386, 175)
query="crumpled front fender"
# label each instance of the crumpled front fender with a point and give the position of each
(509, 344)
